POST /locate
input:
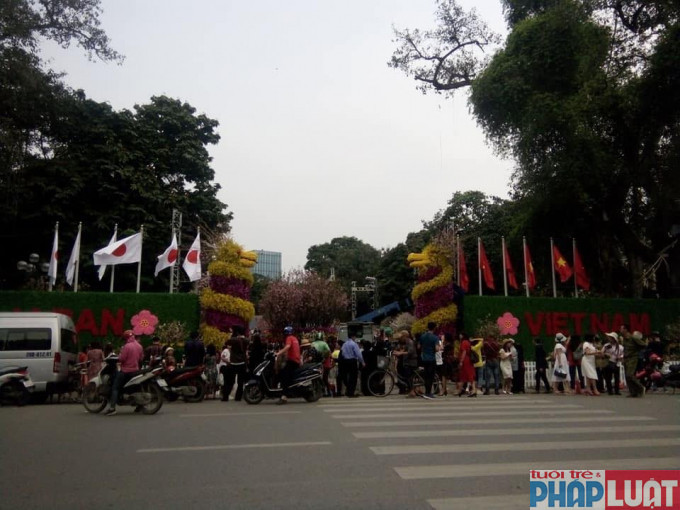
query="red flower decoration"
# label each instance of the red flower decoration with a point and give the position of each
(144, 323)
(508, 323)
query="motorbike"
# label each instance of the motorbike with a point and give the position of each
(306, 382)
(143, 390)
(188, 383)
(16, 385)
(651, 372)
(671, 379)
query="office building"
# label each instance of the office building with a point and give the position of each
(268, 264)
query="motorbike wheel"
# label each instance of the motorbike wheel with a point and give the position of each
(200, 391)
(316, 392)
(93, 401)
(253, 394)
(156, 398)
(14, 392)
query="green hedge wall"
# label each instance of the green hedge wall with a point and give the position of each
(105, 315)
(544, 317)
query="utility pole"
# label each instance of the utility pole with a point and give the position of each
(174, 270)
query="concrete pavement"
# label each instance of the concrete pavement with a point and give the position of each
(338, 453)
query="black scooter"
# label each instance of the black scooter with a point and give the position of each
(306, 382)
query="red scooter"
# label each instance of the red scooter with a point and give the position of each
(188, 383)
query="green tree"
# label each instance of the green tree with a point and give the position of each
(24, 22)
(584, 96)
(352, 259)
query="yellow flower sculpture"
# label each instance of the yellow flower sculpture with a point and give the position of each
(433, 295)
(226, 301)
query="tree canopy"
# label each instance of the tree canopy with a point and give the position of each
(67, 158)
(583, 95)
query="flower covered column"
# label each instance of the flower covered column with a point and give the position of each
(226, 301)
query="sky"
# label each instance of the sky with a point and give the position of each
(319, 137)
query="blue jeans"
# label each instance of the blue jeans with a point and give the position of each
(492, 368)
(121, 379)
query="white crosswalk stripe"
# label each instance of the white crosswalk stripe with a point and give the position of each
(596, 444)
(475, 428)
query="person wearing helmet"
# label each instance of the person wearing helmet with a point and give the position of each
(291, 354)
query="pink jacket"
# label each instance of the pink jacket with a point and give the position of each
(131, 356)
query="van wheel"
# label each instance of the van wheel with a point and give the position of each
(93, 401)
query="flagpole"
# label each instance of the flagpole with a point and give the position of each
(49, 278)
(77, 261)
(573, 257)
(172, 268)
(526, 272)
(458, 259)
(113, 267)
(198, 234)
(139, 265)
(479, 263)
(505, 271)
(552, 266)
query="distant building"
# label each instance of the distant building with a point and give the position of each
(268, 264)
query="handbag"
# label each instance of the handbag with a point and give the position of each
(560, 373)
(220, 379)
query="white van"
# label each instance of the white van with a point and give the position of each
(45, 342)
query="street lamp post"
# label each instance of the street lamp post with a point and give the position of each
(34, 267)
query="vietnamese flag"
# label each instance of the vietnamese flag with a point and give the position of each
(561, 265)
(462, 270)
(580, 274)
(484, 267)
(529, 268)
(512, 280)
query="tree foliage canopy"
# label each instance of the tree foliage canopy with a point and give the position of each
(583, 95)
(66, 158)
(303, 299)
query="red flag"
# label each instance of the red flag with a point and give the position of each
(462, 270)
(531, 276)
(484, 266)
(561, 265)
(512, 281)
(582, 279)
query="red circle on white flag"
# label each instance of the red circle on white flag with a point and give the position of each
(120, 251)
(172, 256)
(192, 256)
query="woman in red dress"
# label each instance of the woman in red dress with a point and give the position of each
(467, 369)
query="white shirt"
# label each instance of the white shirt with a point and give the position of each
(614, 352)
(224, 358)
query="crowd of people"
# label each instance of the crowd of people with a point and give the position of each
(465, 366)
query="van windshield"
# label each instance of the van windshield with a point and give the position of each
(25, 339)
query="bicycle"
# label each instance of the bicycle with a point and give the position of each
(381, 381)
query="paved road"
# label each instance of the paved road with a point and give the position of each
(363, 453)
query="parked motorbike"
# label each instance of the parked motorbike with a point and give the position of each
(671, 379)
(15, 385)
(306, 382)
(142, 390)
(651, 372)
(188, 383)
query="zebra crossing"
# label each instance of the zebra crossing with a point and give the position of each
(420, 439)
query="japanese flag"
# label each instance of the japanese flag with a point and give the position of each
(125, 251)
(168, 258)
(192, 262)
(73, 260)
(102, 268)
(54, 259)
